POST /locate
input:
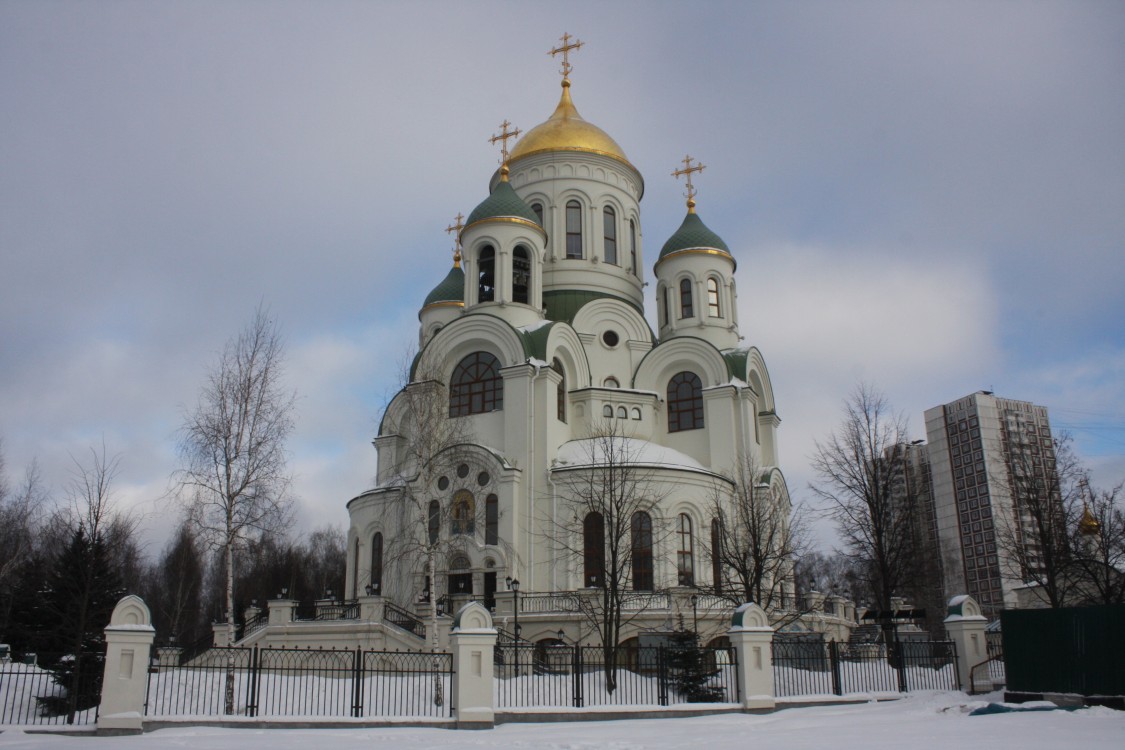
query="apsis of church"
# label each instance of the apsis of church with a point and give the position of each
(536, 347)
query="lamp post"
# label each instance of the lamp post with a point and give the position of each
(514, 587)
(695, 615)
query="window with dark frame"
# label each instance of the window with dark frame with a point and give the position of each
(593, 550)
(685, 557)
(521, 275)
(685, 402)
(713, 307)
(476, 386)
(486, 275)
(641, 528)
(377, 563)
(491, 520)
(686, 309)
(573, 230)
(632, 247)
(560, 392)
(462, 519)
(609, 219)
(716, 555)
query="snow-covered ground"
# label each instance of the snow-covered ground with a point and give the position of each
(920, 720)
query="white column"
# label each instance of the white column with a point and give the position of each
(752, 638)
(129, 638)
(473, 639)
(966, 627)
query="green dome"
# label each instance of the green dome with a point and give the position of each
(693, 234)
(451, 289)
(503, 203)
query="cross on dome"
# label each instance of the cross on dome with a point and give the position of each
(565, 51)
(455, 229)
(503, 137)
(687, 172)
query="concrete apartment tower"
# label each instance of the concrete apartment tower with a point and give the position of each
(977, 445)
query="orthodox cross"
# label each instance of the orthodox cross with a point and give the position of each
(455, 229)
(503, 137)
(565, 50)
(686, 172)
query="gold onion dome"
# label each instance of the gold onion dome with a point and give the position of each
(1088, 525)
(565, 130)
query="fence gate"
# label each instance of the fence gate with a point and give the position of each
(813, 667)
(281, 682)
(51, 688)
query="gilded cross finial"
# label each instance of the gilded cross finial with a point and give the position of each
(455, 229)
(565, 51)
(687, 172)
(503, 137)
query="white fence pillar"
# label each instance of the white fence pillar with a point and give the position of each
(281, 611)
(752, 638)
(966, 627)
(474, 640)
(129, 638)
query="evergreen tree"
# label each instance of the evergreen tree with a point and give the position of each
(690, 668)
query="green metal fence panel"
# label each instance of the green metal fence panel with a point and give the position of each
(1068, 650)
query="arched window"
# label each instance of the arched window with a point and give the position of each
(560, 393)
(377, 563)
(665, 311)
(622, 412)
(611, 382)
(632, 247)
(593, 550)
(685, 402)
(491, 520)
(521, 275)
(717, 554)
(686, 310)
(486, 275)
(537, 209)
(685, 557)
(713, 308)
(355, 568)
(607, 411)
(609, 220)
(476, 386)
(462, 517)
(573, 229)
(642, 551)
(433, 521)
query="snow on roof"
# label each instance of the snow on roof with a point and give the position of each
(592, 451)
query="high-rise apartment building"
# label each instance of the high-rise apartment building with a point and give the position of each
(979, 447)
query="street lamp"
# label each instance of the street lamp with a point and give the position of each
(695, 614)
(514, 587)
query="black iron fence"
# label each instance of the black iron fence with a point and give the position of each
(813, 667)
(545, 674)
(51, 688)
(267, 682)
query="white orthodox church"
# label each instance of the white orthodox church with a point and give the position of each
(536, 343)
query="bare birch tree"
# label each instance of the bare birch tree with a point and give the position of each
(610, 526)
(20, 510)
(235, 477)
(755, 538)
(1035, 536)
(1099, 545)
(859, 469)
(423, 438)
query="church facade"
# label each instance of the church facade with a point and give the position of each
(537, 368)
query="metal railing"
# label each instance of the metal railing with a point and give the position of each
(51, 688)
(562, 601)
(400, 618)
(544, 674)
(254, 624)
(275, 682)
(813, 667)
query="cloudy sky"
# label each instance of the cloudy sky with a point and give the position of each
(929, 196)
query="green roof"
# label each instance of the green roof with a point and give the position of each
(451, 289)
(693, 233)
(502, 203)
(563, 305)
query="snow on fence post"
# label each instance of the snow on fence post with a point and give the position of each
(752, 638)
(129, 638)
(966, 627)
(474, 640)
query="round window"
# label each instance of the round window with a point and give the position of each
(610, 339)
(482, 478)
(443, 483)
(463, 470)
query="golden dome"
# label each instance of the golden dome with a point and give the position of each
(565, 130)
